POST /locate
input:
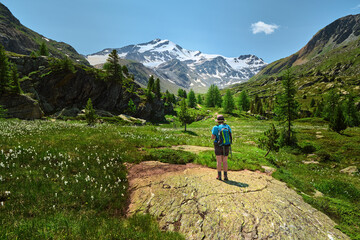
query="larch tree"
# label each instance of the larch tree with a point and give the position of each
(191, 99)
(228, 102)
(286, 108)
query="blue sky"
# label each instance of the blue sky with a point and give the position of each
(270, 29)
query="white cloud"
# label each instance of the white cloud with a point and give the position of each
(357, 7)
(263, 27)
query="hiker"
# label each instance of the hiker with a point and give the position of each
(221, 133)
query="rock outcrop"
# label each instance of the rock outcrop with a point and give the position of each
(21, 106)
(250, 206)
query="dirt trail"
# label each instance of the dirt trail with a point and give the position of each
(252, 205)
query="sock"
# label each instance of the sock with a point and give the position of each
(225, 174)
(219, 174)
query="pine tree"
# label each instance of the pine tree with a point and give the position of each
(157, 88)
(210, 97)
(286, 108)
(184, 116)
(125, 70)
(228, 102)
(332, 99)
(90, 115)
(191, 99)
(4, 70)
(270, 141)
(213, 97)
(199, 99)
(43, 51)
(319, 109)
(15, 80)
(151, 84)
(113, 68)
(351, 114)
(337, 122)
(131, 107)
(243, 102)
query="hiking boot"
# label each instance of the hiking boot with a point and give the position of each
(218, 178)
(226, 179)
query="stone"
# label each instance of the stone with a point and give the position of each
(21, 106)
(251, 205)
(351, 170)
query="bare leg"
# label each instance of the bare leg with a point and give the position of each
(225, 163)
(219, 160)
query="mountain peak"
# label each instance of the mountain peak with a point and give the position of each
(187, 68)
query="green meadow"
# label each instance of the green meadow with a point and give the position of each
(66, 180)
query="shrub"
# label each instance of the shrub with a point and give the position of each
(308, 148)
(325, 156)
(170, 156)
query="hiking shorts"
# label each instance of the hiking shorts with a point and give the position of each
(221, 150)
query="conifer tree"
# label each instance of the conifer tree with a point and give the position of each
(43, 51)
(15, 80)
(270, 140)
(157, 88)
(125, 70)
(191, 99)
(213, 97)
(4, 70)
(113, 68)
(184, 116)
(131, 107)
(352, 116)
(286, 108)
(90, 115)
(151, 84)
(337, 122)
(228, 102)
(243, 102)
(332, 99)
(199, 99)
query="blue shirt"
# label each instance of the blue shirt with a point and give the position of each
(216, 130)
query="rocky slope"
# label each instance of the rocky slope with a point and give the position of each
(329, 60)
(187, 68)
(327, 48)
(19, 39)
(51, 91)
(251, 205)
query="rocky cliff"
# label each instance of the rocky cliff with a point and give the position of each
(54, 90)
(19, 39)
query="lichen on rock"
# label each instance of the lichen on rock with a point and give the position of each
(251, 205)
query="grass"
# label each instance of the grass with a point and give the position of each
(65, 180)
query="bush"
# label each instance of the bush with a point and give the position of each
(170, 156)
(325, 156)
(308, 148)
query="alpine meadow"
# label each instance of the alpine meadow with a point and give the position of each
(118, 144)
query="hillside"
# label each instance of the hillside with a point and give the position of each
(142, 74)
(331, 59)
(19, 39)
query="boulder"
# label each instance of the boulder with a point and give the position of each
(21, 106)
(350, 170)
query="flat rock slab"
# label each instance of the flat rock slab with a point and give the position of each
(251, 205)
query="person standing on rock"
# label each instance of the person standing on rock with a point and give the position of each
(221, 133)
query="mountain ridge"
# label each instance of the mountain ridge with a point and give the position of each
(201, 69)
(19, 39)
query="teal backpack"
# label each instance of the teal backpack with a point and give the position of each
(224, 136)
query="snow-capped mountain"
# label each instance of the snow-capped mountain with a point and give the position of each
(186, 68)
